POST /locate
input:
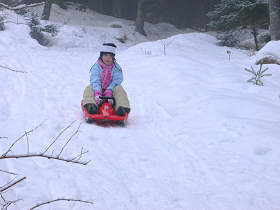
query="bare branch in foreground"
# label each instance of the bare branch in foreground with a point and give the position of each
(27, 142)
(22, 6)
(5, 67)
(7, 184)
(76, 159)
(55, 139)
(75, 133)
(60, 199)
(12, 184)
(16, 180)
(7, 203)
(18, 139)
(44, 156)
(7, 172)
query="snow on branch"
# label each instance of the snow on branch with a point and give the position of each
(75, 159)
(22, 6)
(60, 199)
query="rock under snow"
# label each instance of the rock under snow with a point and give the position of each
(269, 54)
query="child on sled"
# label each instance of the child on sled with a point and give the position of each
(105, 80)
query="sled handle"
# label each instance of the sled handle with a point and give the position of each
(105, 99)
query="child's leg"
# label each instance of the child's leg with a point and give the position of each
(121, 98)
(88, 97)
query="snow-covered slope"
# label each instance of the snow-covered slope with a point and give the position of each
(198, 137)
(270, 53)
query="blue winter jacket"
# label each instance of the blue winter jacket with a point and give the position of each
(95, 77)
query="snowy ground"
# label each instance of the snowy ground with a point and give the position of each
(269, 53)
(198, 137)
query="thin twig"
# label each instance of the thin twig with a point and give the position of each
(75, 133)
(3, 137)
(43, 156)
(60, 199)
(7, 203)
(27, 142)
(12, 184)
(7, 172)
(13, 144)
(5, 67)
(165, 44)
(7, 184)
(78, 157)
(9, 21)
(55, 139)
(3, 198)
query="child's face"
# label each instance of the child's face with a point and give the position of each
(107, 59)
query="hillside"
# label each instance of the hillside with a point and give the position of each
(198, 136)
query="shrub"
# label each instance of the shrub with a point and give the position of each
(257, 75)
(37, 30)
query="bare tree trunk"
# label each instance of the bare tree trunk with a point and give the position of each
(47, 10)
(255, 34)
(2, 25)
(119, 7)
(140, 17)
(274, 13)
(60, 3)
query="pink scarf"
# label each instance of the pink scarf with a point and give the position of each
(106, 74)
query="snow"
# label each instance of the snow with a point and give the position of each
(198, 136)
(271, 52)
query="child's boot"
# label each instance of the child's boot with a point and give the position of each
(91, 108)
(122, 111)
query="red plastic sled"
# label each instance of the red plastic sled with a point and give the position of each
(106, 113)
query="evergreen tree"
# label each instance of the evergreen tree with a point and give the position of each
(230, 14)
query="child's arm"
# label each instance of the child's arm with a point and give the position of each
(95, 78)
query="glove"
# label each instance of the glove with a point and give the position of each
(108, 93)
(97, 94)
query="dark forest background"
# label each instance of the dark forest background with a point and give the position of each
(181, 13)
(235, 21)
